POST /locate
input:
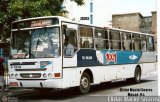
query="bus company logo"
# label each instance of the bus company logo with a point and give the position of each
(111, 57)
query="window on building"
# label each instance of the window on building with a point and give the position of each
(91, 7)
(101, 39)
(114, 39)
(126, 41)
(91, 19)
(86, 37)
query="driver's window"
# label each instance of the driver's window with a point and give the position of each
(69, 41)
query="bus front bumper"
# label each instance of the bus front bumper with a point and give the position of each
(49, 83)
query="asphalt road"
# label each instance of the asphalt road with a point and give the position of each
(98, 93)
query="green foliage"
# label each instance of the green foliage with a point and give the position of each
(11, 10)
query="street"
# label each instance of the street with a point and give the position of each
(147, 87)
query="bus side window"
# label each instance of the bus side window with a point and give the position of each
(143, 43)
(126, 41)
(86, 37)
(101, 38)
(150, 45)
(115, 42)
(70, 41)
(136, 40)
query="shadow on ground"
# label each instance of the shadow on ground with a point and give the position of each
(72, 93)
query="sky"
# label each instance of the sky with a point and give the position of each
(103, 9)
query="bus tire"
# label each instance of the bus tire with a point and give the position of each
(137, 75)
(85, 81)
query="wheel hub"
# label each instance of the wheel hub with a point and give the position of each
(84, 82)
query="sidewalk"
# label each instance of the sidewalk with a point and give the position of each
(12, 94)
(16, 91)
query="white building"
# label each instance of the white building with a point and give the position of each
(83, 14)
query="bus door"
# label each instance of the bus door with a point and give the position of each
(69, 32)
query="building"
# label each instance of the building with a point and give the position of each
(154, 26)
(154, 22)
(131, 21)
(136, 22)
(146, 24)
(82, 14)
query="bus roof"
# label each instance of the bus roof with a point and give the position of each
(122, 30)
(34, 18)
(67, 20)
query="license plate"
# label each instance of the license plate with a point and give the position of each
(13, 84)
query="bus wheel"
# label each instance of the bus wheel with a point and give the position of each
(137, 75)
(84, 83)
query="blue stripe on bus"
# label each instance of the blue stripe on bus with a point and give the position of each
(89, 57)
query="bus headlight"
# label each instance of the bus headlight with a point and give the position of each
(50, 75)
(44, 75)
(12, 75)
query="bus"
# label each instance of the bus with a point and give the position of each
(53, 52)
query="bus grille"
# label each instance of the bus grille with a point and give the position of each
(35, 69)
(30, 75)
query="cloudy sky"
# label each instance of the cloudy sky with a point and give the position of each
(103, 9)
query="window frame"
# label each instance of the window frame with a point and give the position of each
(64, 30)
(103, 37)
(134, 42)
(124, 33)
(111, 40)
(153, 48)
(86, 37)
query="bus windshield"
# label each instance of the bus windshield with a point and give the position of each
(36, 43)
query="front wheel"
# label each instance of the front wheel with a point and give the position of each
(84, 83)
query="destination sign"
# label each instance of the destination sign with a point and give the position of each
(39, 23)
(35, 23)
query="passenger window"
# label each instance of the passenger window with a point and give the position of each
(126, 41)
(101, 39)
(86, 37)
(70, 41)
(115, 42)
(143, 43)
(150, 45)
(136, 40)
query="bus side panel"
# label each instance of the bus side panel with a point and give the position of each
(105, 73)
(148, 57)
(148, 68)
(147, 61)
(70, 77)
(111, 73)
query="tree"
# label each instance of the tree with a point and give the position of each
(15, 9)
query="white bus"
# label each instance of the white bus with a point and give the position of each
(55, 53)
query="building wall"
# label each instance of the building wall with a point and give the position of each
(146, 24)
(154, 23)
(127, 21)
